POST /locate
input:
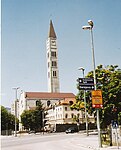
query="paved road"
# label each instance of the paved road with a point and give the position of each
(52, 142)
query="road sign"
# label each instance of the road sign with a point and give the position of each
(86, 87)
(86, 80)
(97, 99)
(86, 83)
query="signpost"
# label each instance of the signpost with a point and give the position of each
(86, 83)
(97, 99)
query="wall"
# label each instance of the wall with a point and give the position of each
(6, 132)
(63, 127)
(116, 133)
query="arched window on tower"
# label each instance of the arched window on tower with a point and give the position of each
(54, 64)
(53, 54)
(48, 54)
(54, 74)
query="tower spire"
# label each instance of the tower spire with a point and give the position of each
(52, 61)
(51, 31)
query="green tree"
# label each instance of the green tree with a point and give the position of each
(4, 118)
(109, 81)
(7, 120)
(119, 117)
(26, 119)
(33, 119)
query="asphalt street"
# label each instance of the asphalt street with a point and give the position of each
(58, 141)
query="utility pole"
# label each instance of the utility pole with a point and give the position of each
(90, 27)
(85, 104)
(16, 89)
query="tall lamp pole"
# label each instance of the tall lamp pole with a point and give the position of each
(16, 89)
(90, 27)
(85, 103)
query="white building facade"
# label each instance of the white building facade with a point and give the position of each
(57, 106)
(28, 100)
(63, 114)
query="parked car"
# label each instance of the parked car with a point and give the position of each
(71, 130)
(32, 131)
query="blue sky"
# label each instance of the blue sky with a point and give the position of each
(25, 25)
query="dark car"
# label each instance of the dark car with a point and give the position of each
(71, 130)
(32, 131)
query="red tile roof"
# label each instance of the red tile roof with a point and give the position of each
(44, 95)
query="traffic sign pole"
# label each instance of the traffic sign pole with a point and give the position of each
(95, 87)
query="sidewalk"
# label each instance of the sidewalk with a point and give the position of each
(91, 142)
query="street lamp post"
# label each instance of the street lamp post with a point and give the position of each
(16, 89)
(90, 27)
(43, 119)
(85, 104)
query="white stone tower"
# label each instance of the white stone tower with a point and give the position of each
(52, 61)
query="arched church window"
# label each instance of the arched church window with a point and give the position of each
(70, 102)
(48, 103)
(37, 103)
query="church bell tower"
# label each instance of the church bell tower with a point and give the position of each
(52, 60)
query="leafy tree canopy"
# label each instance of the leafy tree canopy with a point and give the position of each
(33, 119)
(7, 120)
(108, 79)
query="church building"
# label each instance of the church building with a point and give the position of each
(56, 103)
